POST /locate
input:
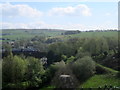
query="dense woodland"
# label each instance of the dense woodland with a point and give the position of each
(79, 58)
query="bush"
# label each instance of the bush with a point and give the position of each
(64, 78)
(70, 59)
(55, 67)
(83, 68)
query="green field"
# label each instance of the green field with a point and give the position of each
(93, 34)
(101, 80)
(25, 34)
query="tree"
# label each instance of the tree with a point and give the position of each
(91, 45)
(19, 68)
(104, 45)
(113, 44)
(81, 53)
(8, 49)
(95, 46)
(14, 69)
(34, 71)
(7, 68)
(63, 48)
(83, 68)
(40, 46)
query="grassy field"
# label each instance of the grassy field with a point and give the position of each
(91, 34)
(101, 80)
(94, 34)
(19, 34)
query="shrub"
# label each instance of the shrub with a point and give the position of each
(70, 59)
(83, 68)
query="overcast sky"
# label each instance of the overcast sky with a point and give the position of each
(59, 15)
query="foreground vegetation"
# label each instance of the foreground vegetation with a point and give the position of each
(69, 61)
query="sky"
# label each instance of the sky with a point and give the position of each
(59, 15)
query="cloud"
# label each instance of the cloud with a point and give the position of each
(33, 25)
(40, 25)
(6, 25)
(68, 26)
(74, 11)
(10, 10)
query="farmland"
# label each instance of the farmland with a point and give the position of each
(29, 33)
(25, 34)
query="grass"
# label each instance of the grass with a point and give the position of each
(108, 69)
(89, 35)
(101, 80)
(18, 34)
(94, 34)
